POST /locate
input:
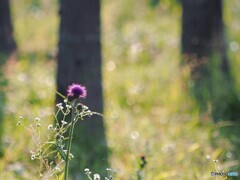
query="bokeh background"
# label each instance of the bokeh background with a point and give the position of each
(148, 108)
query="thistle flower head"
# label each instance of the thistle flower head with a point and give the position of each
(76, 91)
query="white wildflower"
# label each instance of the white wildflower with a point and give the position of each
(96, 177)
(59, 105)
(71, 156)
(63, 122)
(50, 127)
(57, 169)
(33, 156)
(37, 119)
(68, 106)
(85, 107)
(86, 170)
(89, 112)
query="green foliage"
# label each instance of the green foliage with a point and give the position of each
(215, 90)
(154, 3)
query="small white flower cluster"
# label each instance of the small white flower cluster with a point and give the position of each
(20, 120)
(96, 177)
(59, 105)
(89, 113)
(37, 119)
(68, 106)
(57, 138)
(110, 175)
(87, 172)
(85, 107)
(63, 122)
(57, 169)
(85, 110)
(35, 155)
(71, 156)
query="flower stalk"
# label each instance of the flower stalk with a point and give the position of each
(54, 146)
(69, 144)
(75, 91)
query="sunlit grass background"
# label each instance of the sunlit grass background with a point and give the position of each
(148, 109)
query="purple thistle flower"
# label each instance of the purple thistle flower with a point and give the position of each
(76, 91)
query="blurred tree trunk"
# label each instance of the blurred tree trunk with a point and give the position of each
(7, 46)
(204, 50)
(7, 42)
(79, 61)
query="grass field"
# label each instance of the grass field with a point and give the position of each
(147, 108)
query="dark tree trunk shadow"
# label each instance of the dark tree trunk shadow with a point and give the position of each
(7, 47)
(213, 85)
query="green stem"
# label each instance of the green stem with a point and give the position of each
(139, 177)
(69, 142)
